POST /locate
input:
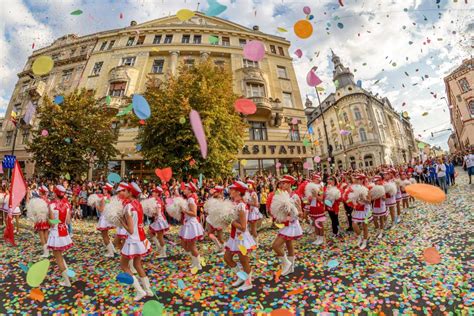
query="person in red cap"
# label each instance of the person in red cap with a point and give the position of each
(42, 227)
(345, 187)
(255, 216)
(390, 199)
(121, 234)
(379, 207)
(315, 194)
(405, 197)
(332, 201)
(362, 214)
(216, 234)
(59, 239)
(136, 245)
(240, 241)
(160, 225)
(103, 225)
(291, 230)
(191, 230)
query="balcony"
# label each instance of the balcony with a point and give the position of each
(264, 107)
(253, 74)
(37, 89)
(123, 73)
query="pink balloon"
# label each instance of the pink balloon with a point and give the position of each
(317, 159)
(254, 51)
(44, 133)
(198, 130)
(312, 79)
(294, 121)
(299, 53)
(307, 10)
(278, 165)
(306, 165)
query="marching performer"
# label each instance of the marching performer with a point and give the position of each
(136, 245)
(286, 207)
(42, 226)
(332, 196)
(240, 241)
(215, 233)
(362, 210)
(404, 181)
(377, 195)
(315, 195)
(160, 225)
(59, 239)
(254, 216)
(398, 197)
(121, 233)
(390, 196)
(103, 225)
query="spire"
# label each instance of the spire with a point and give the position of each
(340, 73)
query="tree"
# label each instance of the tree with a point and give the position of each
(167, 139)
(78, 132)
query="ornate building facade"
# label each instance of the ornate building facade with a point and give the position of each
(120, 63)
(352, 128)
(460, 92)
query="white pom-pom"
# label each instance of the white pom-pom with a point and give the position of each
(412, 180)
(176, 208)
(93, 200)
(283, 206)
(311, 188)
(220, 213)
(377, 192)
(37, 210)
(404, 183)
(398, 182)
(358, 192)
(390, 188)
(333, 193)
(150, 207)
(114, 211)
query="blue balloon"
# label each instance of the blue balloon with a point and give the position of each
(141, 107)
(215, 8)
(58, 99)
(311, 17)
(124, 278)
(113, 178)
(359, 83)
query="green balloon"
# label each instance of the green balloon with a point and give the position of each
(153, 308)
(37, 273)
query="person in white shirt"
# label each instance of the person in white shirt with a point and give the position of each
(469, 164)
(441, 173)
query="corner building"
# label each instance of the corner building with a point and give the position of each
(120, 63)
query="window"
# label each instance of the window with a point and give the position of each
(111, 44)
(251, 168)
(17, 108)
(157, 66)
(255, 90)
(287, 100)
(130, 41)
(168, 39)
(67, 74)
(128, 61)
(363, 135)
(117, 89)
(73, 51)
(464, 84)
(197, 39)
(351, 140)
(357, 114)
(97, 68)
(471, 107)
(258, 131)
(103, 46)
(345, 117)
(55, 57)
(280, 51)
(9, 138)
(282, 72)
(189, 63)
(83, 50)
(157, 39)
(219, 63)
(242, 42)
(185, 39)
(25, 135)
(294, 133)
(141, 40)
(273, 49)
(250, 63)
(225, 41)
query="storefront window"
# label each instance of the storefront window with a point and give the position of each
(268, 166)
(114, 166)
(137, 169)
(251, 168)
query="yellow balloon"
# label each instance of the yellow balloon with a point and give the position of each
(243, 162)
(282, 30)
(184, 14)
(42, 65)
(303, 29)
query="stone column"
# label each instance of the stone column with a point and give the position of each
(174, 61)
(204, 55)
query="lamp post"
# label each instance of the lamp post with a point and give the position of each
(329, 147)
(342, 136)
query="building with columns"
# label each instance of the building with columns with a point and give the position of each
(121, 62)
(460, 93)
(352, 128)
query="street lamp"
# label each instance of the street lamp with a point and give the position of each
(336, 108)
(329, 147)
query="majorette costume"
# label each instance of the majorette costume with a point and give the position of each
(390, 200)
(160, 224)
(362, 210)
(192, 228)
(122, 232)
(43, 225)
(405, 195)
(254, 214)
(292, 229)
(103, 224)
(59, 238)
(380, 210)
(219, 189)
(398, 196)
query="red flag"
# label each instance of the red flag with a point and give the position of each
(8, 234)
(18, 187)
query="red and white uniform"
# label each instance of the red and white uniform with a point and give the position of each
(240, 238)
(390, 200)
(103, 224)
(254, 214)
(191, 229)
(317, 211)
(136, 244)
(43, 225)
(362, 212)
(398, 196)
(380, 210)
(160, 224)
(292, 229)
(59, 238)
(335, 204)
(122, 232)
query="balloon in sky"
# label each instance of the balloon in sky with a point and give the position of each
(307, 10)
(303, 29)
(298, 53)
(141, 107)
(184, 14)
(245, 106)
(312, 79)
(198, 130)
(215, 8)
(113, 178)
(254, 50)
(42, 65)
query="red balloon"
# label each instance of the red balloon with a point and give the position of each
(245, 106)
(164, 174)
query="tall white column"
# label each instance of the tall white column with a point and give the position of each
(174, 61)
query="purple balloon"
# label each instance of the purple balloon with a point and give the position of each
(254, 51)
(307, 10)
(312, 79)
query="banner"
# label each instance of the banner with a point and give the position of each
(29, 113)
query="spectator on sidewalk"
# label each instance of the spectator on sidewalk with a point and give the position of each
(468, 164)
(441, 174)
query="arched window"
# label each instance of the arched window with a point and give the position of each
(346, 118)
(368, 160)
(351, 140)
(363, 135)
(471, 107)
(357, 114)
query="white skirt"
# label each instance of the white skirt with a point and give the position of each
(159, 225)
(244, 239)
(191, 230)
(103, 224)
(292, 231)
(16, 211)
(390, 201)
(135, 248)
(56, 242)
(254, 214)
(380, 211)
(122, 233)
(360, 216)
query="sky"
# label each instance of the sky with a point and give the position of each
(400, 49)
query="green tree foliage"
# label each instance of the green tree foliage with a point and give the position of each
(79, 129)
(167, 139)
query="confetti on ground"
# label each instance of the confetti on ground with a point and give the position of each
(390, 277)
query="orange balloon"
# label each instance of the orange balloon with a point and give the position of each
(303, 29)
(426, 193)
(281, 312)
(431, 255)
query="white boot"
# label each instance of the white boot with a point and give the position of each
(155, 240)
(110, 250)
(380, 234)
(359, 240)
(146, 286)
(139, 292)
(162, 253)
(132, 268)
(319, 240)
(238, 281)
(363, 245)
(197, 262)
(65, 282)
(292, 260)
(247, 284)
(45, 251)
(285, 265)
